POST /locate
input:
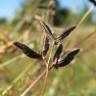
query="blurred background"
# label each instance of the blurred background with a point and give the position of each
(18, 23)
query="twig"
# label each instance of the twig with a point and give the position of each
(84, 17)
(47, 68)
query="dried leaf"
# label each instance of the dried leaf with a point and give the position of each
(27, 51)
(48, 30)
(46, 46)
(66, 60)
(66, 33)
(58, 52)
(93, 1)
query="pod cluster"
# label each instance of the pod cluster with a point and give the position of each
(56, 60)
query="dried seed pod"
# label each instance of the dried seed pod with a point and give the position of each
(93, 1)
(66, 33)
(66, 60)
(58, 52)
(46, 46)
(27, 51)
(48, 30)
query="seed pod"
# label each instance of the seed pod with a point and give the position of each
(27, 51)
(58, 52)
(66, 60)
(48, 30)
(66, 33)
(46, 46)
(93, 1)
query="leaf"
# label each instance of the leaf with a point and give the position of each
(66, 33)
(48, 30)
(66, 60)
(46, 46)
(93, 1)
(27, 51)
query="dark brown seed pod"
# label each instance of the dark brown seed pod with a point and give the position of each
(93, 1)
(58, 52)
(46, 46)
(48, 30)
(65, 33)
(27, 51)
(66, 60)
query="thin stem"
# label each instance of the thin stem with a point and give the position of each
(14, 81)
(47, 69)
(84, 17)
(24, 93)
(12, 60)
(55, 82)
(32, 84)
(81, 21)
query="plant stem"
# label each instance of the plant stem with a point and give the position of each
(24, 93)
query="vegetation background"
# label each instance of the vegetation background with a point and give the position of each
(18, 72)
